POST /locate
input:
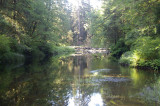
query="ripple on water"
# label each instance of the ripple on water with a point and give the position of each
(111, 79)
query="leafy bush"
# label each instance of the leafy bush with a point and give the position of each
(4, 44)
(37, 54)
(46, 48)
(145, 53)
(62, 50)
(37, 48)
(126, 58)
(16, 47)
(119, 49)
(155, 64)
(147, 48)
(12, 58)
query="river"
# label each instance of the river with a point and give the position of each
(88, 80)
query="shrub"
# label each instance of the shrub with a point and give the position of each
(4, 44)
(12, 58)
(62, 50)
(37, 48)
(155, 64)
(35, 53)
(46, 48)
(119, 49)
(145, 53)
(126, 58)
(147, 48)
(16, 47)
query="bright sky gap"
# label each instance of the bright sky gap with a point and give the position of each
(94, 3)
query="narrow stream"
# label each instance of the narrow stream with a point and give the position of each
(91, 80)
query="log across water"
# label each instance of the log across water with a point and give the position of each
(89, 50)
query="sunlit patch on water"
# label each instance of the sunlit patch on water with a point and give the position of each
(95, 100)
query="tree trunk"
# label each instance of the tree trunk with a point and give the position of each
(1, 2)
(14, 3)
(34, 27)
(79, 24)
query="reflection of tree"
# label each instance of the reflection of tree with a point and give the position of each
(36, 84)
(56, 81)
(151, 93)
(119, 93)
(82, 89)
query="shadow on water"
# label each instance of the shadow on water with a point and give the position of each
(74, 81)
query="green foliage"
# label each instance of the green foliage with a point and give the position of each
(148, 51)
(96, 29)
(37, 54)
(133, 26)
(145, 53)
(46, 48)
(10, 50)
(62, 50)
(118, 49)
(130, 19)
(126, 58)
(16, 47)
(38, 49)
(151, 92)
(4, 44)
(10, 57)
(148, 48)
(29, 27)
(154, 64)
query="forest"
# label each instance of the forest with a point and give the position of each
(41, 63)
(42, 28)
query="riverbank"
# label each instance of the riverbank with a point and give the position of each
(29, 55)
(134, 59)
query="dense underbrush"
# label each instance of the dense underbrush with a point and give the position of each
(145, 52)
(11, 51)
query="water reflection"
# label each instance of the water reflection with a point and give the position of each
(73, 81)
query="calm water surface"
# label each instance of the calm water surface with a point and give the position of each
(74, 81)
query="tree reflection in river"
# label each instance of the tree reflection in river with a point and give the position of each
(74, 81)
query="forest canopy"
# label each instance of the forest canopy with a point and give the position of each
(129, 29)
(32, 27)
